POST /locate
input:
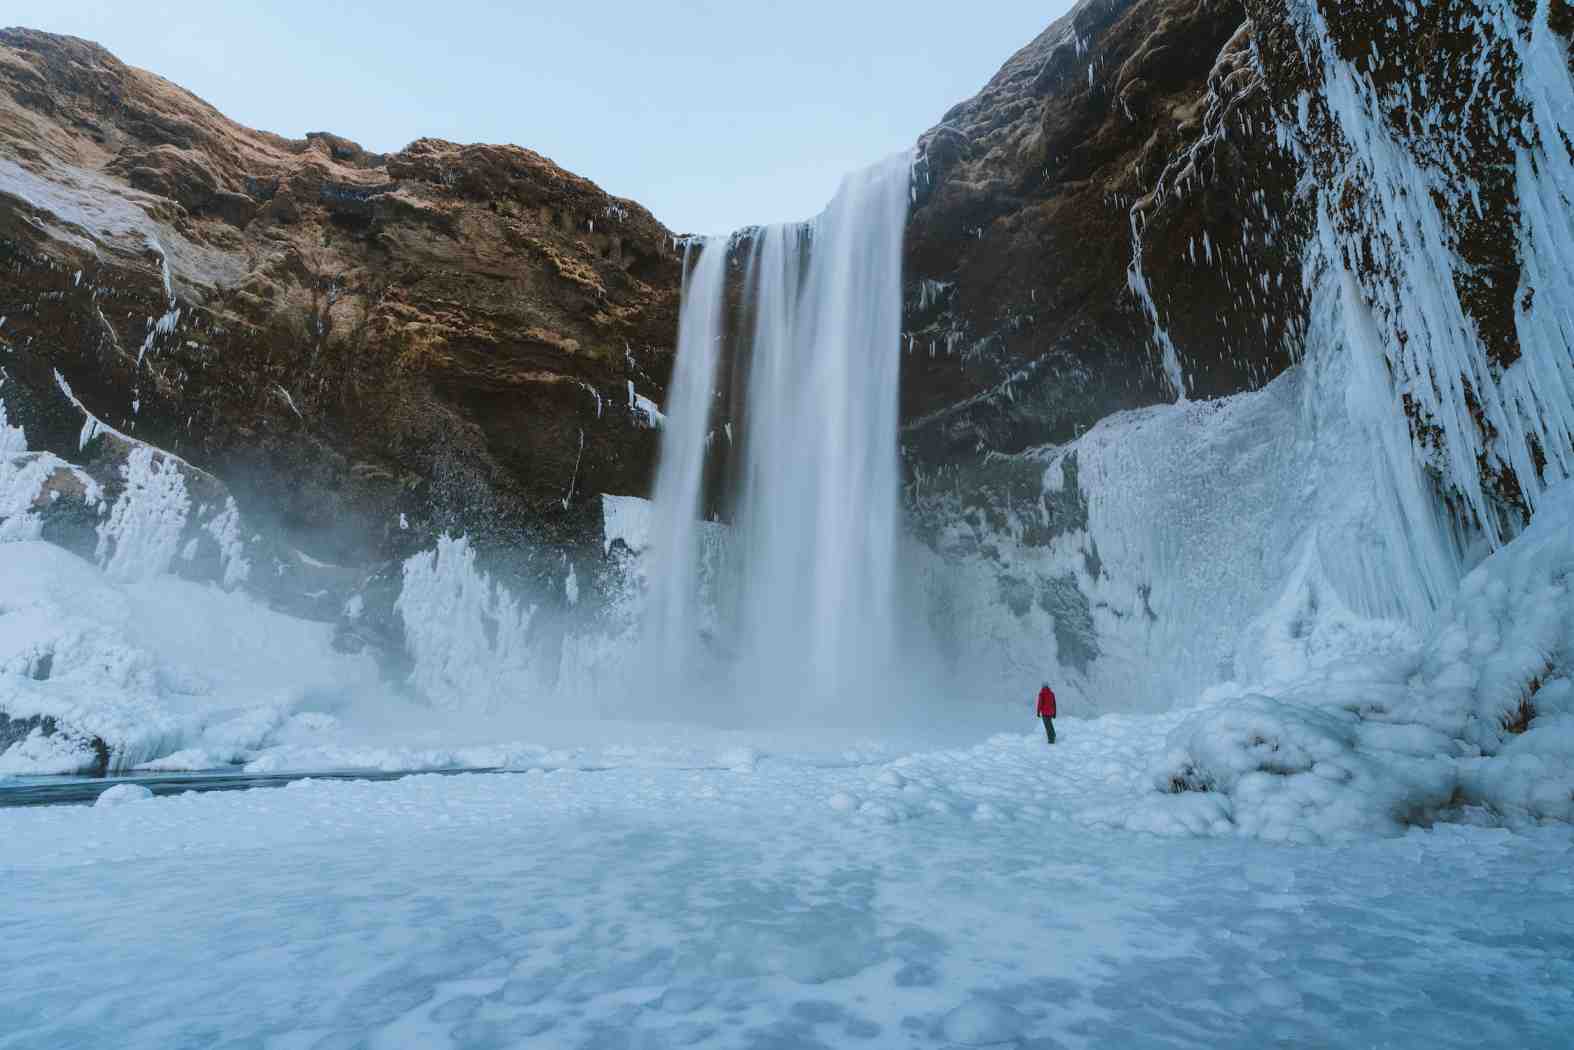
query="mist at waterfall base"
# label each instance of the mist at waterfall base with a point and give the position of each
(793, 612)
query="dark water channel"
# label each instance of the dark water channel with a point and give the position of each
(68, 791)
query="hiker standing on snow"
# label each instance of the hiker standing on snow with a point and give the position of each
(1046, 710)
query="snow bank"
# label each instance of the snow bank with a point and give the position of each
(1475, 723)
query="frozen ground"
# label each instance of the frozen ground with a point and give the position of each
(936, 899)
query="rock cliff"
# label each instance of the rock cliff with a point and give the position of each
(1131, 211)
(1121, 167)
(367, 349)
(1343, 229)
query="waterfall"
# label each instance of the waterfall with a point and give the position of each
(674, 610)
(808, 599)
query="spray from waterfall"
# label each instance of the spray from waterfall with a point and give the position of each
(805, 606)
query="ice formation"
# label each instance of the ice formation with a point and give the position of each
(465, 633)
(1162, 534)
(142, 534)
(1484, 409)
(148, 666)
(25, 479)
(1477, 722)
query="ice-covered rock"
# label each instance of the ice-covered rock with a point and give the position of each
(1477, 717)
(121, 794)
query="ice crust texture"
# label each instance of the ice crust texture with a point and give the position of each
(1356, 744)
(956, 903)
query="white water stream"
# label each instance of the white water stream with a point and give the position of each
(808, 595)
(674, 597)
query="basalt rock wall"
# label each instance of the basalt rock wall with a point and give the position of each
(1134, 210)
(1120, 168)
(1344, 231)
(367, 349)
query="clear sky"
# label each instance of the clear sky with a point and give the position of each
(712, 113)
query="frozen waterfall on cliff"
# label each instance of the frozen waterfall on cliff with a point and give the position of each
(807, 595)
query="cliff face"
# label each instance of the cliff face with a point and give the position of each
(1134, 207)
(367, 349)
(1121, 167)
(1372, 200)
(1436, 142)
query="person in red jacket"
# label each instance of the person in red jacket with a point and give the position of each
(1046, 710)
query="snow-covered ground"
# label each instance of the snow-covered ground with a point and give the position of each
(936, 899)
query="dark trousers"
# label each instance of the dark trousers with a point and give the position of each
(1049, 728)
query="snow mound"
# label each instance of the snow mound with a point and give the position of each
(1286, 771)
(1475, 723)
(121, 794)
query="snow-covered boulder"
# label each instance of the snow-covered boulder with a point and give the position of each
(121, 794)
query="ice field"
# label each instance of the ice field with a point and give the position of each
(960, 898)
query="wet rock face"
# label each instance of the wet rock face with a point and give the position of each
(447, 333)
(1130, 143)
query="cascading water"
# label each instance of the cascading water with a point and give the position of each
(810, 588)
(674, 608)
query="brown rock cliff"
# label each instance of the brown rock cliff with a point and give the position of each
(447, 333)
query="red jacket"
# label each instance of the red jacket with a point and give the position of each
(1046, 702)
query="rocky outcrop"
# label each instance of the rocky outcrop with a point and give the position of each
(1436, 140)
(1167, 198)
(1123, 168)
(1133, 209)
(366, 349)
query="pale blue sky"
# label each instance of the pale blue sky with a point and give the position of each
(712, 113)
